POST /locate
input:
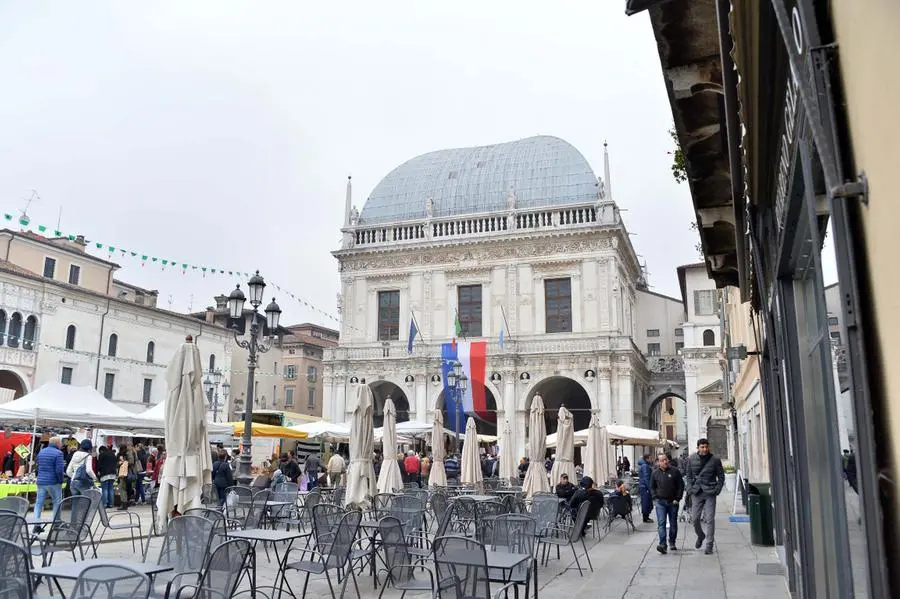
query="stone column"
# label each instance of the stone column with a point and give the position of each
(605, 400)
(692, 404)
(625, 405)
(339, 413)
(509, 409)
(421, 394)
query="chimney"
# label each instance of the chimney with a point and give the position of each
(210, 315)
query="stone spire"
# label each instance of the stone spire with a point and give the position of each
(608, 182)
(348, 206)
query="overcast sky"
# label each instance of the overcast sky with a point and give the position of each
(221, 133)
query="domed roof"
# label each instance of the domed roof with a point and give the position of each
(543, 171)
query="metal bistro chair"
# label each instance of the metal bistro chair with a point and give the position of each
(619, 506)
(464, 515)
(570, 534)
(111, 582)
(462, 570)
(257, 513)
(325, 519)
(439, 505)
(514, 533)
(87, 533)
(485, 513)
(335, 557)
(13, 528)
(64, 534)
(237, 503)
(220, 525)
(15, 571)
(399, 564)
(288, 515)
(381, 505)
(220, 576)
(313, 498)
(14, 503)
(185, 547)
(134, 523)
(287, 488)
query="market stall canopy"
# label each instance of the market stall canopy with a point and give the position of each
(68, 405)
(267, 430)
(158, 412)
(619, 434)
(322, 430)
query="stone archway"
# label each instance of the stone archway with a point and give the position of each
(11, 386)
(486, 426)
(558, 391)
(668, 415)
(382, 390)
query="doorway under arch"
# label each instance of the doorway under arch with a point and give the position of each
(486, 426)
(558, 391)
(667, 414)
(382, 390)
(10, 380)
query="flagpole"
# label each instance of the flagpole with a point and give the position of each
(418, 328)
(505, 322)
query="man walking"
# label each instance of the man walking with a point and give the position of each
(704, 478)
(666, 488)
(51, 466)
(644, 470)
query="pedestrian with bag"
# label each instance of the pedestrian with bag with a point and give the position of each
(644, 470)
(106, 468)
(81, 469)
(125, 472)
(51, 468)
(667, 489)
(222, 476)
(704, 478)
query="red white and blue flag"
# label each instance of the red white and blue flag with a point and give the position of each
(473, 357)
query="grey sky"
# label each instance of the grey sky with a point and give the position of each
(177, 128)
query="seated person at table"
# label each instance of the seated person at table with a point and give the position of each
(565, 489)
(588, 493)
(621, 490)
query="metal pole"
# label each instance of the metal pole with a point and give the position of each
(458, 451)
(216, 405)
(244, 476)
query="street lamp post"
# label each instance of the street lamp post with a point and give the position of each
(256, 285)
(457, 381)
(211, 386)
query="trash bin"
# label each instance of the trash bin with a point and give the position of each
(759, 506)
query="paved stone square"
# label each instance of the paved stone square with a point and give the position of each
(626, 566)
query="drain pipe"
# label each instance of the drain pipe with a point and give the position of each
(100, 344)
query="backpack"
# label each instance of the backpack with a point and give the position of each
(81, 475)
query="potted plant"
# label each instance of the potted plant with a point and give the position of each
(730, 477)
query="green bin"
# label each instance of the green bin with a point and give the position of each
(759, 506)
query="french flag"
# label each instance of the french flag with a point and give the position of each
(473, 357)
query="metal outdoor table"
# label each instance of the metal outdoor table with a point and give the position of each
(256, 535)
(500, 560)
(71, 571)
(480, 497)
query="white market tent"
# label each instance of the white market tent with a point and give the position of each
(619, 434)
(68, 405)
(157, 414)
(327, 432)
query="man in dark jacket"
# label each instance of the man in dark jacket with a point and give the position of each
(644, 470)
(704, 478)
(289, 468)
(667, 489)
(51, 467)
(588, 493)
(565, 489)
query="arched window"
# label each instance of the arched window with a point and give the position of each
(151, 347)
(15, 329)
(113, 345)
(30, 332)
(709, 337)
(70, 337)
(2, 327)
(212, 362)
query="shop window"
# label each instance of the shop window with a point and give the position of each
(709, 338)
(70, 337)
(469, 306)
(558, 305)
(388, 315)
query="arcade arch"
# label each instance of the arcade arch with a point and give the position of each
(382, 390)
(486, 426)
(558, 391)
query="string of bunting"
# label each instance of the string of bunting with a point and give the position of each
(164, 263)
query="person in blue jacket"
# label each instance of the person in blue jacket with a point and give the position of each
(645, 469)
(51, 466)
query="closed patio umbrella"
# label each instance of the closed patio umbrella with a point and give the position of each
(470, 469)
(389, 479)
(536, 476)
(507, 454)
(438, 476)
(565, 448)
(188, 462)
(596, 453)
(360, 473)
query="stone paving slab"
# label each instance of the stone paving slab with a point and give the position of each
(625, 566)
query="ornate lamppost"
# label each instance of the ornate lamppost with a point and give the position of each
(211, 386)
(256, 285)
(457, 381)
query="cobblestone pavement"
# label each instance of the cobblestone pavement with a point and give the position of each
(625, 566)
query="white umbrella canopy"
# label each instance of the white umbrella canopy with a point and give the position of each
(565, 449)
(596, 454)
(188, 463)
(470, 469)
(536, 476)
(438, 475)
(322, 430)
(507, 454)
(389, 479)
(158, 413)
(360, 473)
